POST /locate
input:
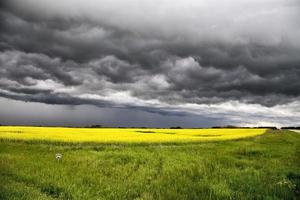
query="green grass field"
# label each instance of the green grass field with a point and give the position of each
(262, 167)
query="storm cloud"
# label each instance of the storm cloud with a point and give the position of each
(183, 58)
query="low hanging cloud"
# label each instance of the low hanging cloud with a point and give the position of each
(188, 57)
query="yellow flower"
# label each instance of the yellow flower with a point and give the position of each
(124, 135)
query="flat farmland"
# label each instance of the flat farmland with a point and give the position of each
(123, 135)
(134, 164)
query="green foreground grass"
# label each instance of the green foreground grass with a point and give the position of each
(264, 167)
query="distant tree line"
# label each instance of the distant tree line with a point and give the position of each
(176, 127)
(179, 127)
(227, 126)
(231, 126)
(291, 127)
(94, 126)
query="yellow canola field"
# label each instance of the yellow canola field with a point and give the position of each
(123, 135)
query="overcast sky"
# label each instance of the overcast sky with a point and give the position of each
(160, 63)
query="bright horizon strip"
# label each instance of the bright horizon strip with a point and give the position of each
(124, 135)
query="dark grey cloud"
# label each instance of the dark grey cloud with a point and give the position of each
(18, 66)
(16, 112)
(151, 55)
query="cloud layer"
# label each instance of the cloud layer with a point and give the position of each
(156, 56)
